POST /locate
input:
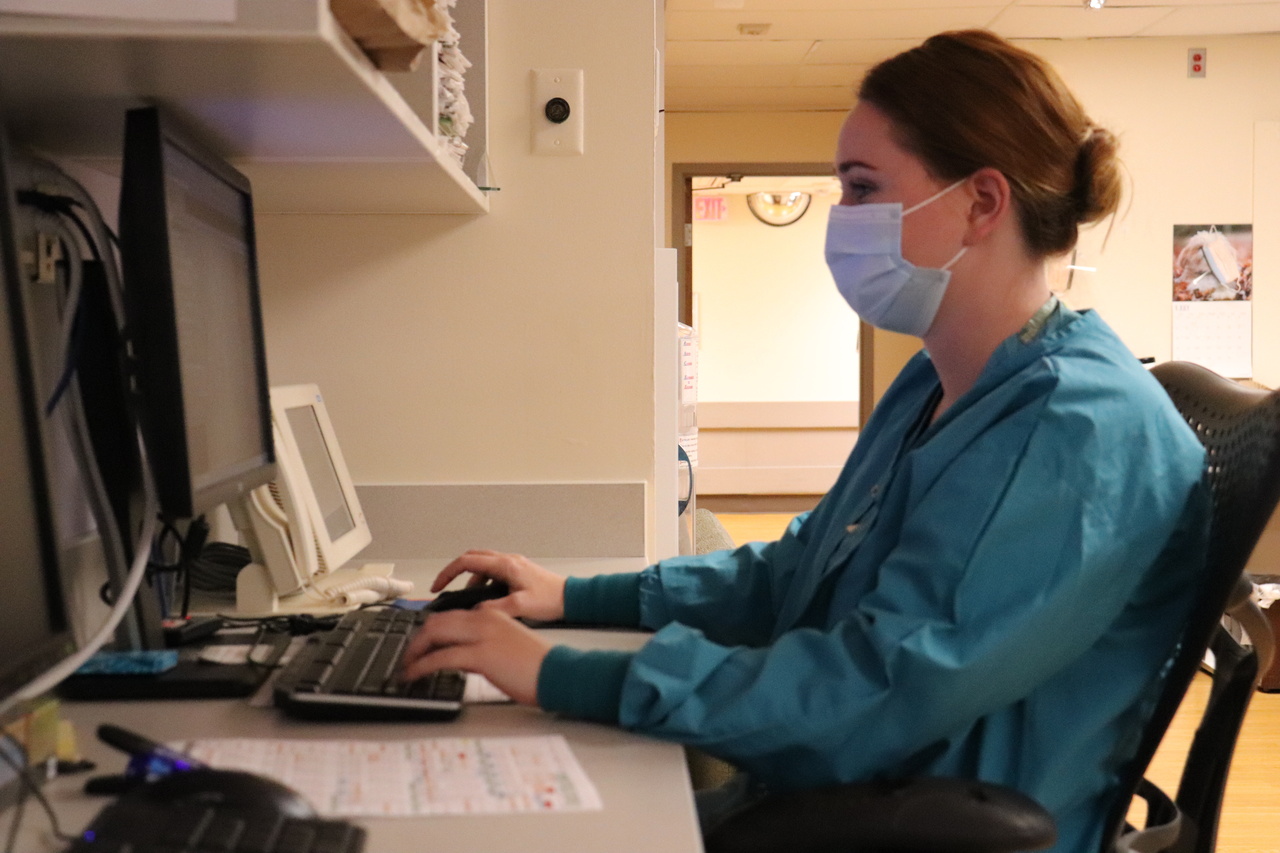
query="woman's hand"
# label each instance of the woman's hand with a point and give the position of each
(486, 641)
(536, 593)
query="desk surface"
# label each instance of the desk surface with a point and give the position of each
(643, 783)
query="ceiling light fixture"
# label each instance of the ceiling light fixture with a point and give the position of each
(778, 209)
(1094, 4)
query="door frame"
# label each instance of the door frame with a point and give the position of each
(682, 175)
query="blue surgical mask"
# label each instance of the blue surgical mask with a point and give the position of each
(864, 252)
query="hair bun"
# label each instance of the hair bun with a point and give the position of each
(1098, 187)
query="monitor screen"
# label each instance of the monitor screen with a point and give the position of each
(319, 478)
(323, 476)
(34, 631)
(191, 286)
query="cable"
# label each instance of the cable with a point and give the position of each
(29, 786)
(44, 172)
(44, 683)
(192, 547)
(18, 809)
(216, 568)
(296, 624)
(68, 344)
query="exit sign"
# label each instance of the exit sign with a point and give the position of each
(710, 208)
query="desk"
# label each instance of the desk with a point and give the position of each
(648, 804)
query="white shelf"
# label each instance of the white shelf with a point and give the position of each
(282, 92)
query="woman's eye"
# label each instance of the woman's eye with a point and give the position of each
(858, 192)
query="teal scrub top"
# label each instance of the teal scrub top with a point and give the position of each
(992, 595)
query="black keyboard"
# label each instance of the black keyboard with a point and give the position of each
(190, 828)
(352, 673)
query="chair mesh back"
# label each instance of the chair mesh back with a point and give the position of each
(1240, 430)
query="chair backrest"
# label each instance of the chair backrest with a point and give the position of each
(1240, 430)
(709, 534)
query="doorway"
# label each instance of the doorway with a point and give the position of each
(778, 364)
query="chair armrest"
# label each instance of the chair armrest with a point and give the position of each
(924, 815)
(1162, 827)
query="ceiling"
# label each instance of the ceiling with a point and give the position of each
(813, 51)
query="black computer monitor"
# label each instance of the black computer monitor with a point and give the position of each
(191, 294)
(35, 631)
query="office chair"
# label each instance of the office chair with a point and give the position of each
(1240, 429)
(709, 534)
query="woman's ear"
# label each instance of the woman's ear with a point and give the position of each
(992, 203)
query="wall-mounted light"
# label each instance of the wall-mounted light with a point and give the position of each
(1094, 4)
(778, 208)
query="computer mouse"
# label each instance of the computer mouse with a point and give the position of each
(235, 789)
(468, 597)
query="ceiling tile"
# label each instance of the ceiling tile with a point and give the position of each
(1066, 22)
(1218, 20)
(1116, 4)
(831, 24)
(864, 51)
(830, 75)
(726, 99)
(736, 52)
(839, 5)
(817, 50)
(697, 76)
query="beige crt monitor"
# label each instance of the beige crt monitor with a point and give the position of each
(303, 528)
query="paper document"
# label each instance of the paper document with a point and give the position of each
(436, 776)
(482, 691)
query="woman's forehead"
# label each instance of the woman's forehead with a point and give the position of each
(867, 141)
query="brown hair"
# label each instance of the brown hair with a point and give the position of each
(966, 100)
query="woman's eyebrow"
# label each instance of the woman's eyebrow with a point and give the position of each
(852, 164)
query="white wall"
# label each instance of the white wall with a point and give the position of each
(1188, 144)
(510, 347)
(771, 325)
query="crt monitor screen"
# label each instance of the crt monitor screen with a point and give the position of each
(190, 270)
(34, 632)
(318, 474)
(334, 511)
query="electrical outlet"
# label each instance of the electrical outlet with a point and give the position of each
(557, 111)
(1197, 61)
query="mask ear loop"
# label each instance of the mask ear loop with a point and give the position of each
(939, 194)
(955, 258)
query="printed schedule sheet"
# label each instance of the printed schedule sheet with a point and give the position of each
(431, 776)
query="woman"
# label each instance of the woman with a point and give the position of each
(992, 586)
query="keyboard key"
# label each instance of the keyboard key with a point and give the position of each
(347, 676)
(382, 670)
(315, 675)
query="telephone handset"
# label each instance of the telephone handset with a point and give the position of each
(291, 574)
(273, 526)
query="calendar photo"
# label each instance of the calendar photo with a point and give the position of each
(1212, 297)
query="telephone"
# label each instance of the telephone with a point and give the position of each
(288, 573)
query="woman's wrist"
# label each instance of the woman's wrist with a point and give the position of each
(603, 599)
